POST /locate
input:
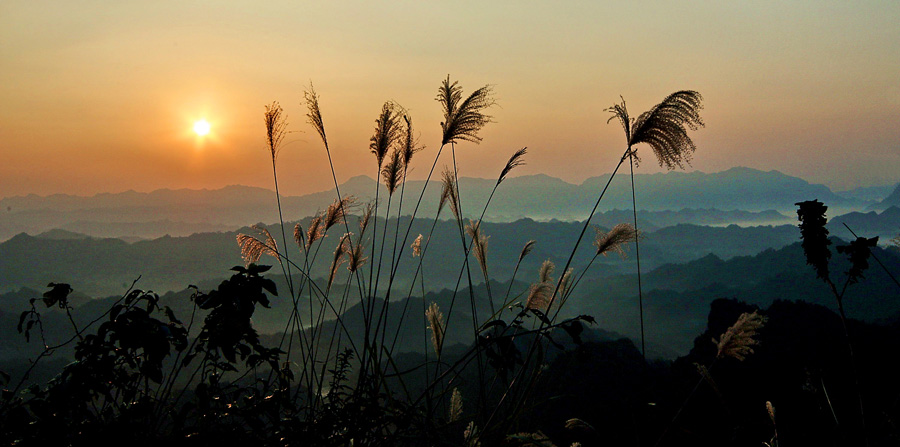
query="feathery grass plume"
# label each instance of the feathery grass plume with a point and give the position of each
(456, 405)
(392, 172)
(314, 115)
(356, 258)
(410, 142)
(463, 118)
(565, 284)
(252, 248)
(771, 410)
(546, 270)
(515, 161)
(471, 435)
(338, 259)
(448, 194)
(387, 132)
(417, 247)
(811, 214)
(315, 231)
(527, 249)
(276, 128)
(737, 342)
(337, 212)
(618, 236)
(479, 244)
(664, 127)
(895, 241)
(539, 296)
(436, 324)
(365, 218)
(298, 235)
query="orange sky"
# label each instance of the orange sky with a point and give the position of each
(102, 96)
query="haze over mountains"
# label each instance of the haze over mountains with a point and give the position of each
(720, 198)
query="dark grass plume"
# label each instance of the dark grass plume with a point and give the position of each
(664, 127)
(515, 161)
(388, 131)
(463, 119)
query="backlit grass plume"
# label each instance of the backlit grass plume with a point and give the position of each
(479, 244)
(436, 324)
(664, 127)
(365, 218)
(417, 247)
(314, 115)
(463, 118)
(315, 231)
(618, 236)
(738, 341)
(356, 259)
(252, 248)
(338, 259)
(337, 212)
(276, 128)
(387, 131)
(448, 193)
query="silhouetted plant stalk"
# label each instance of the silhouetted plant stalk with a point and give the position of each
(815, 244)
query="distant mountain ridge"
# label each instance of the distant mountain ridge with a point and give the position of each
(183, 212)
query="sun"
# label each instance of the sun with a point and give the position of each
(201, 127)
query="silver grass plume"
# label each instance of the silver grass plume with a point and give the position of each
(565, 284)
(539, 296)
(276, 128)
(516, 160)
(338, 258)
(392, 172)
(365, 218)
(463, 119)
(356, 258)
(387, 132)
(456, 405)
(417, 247)
(299, 236)
(546, 270)
(471, 435)
(436, 324)
(448, 194)
(664, 127)
(337, 212)
(410, 142)
(315, 231)
(479, 244)
(252, 248)
(527, 249)
(737, 342)
(314, 115)
(618, 236)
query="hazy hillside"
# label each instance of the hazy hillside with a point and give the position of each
(107, 266)
(184, 212)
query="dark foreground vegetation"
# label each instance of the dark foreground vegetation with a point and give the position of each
(529, 373)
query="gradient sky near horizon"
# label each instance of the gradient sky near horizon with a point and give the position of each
(99, 96)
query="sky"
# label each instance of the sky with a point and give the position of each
(99, 96)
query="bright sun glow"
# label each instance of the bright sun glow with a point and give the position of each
(201, 127)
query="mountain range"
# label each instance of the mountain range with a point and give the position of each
(183, 212)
